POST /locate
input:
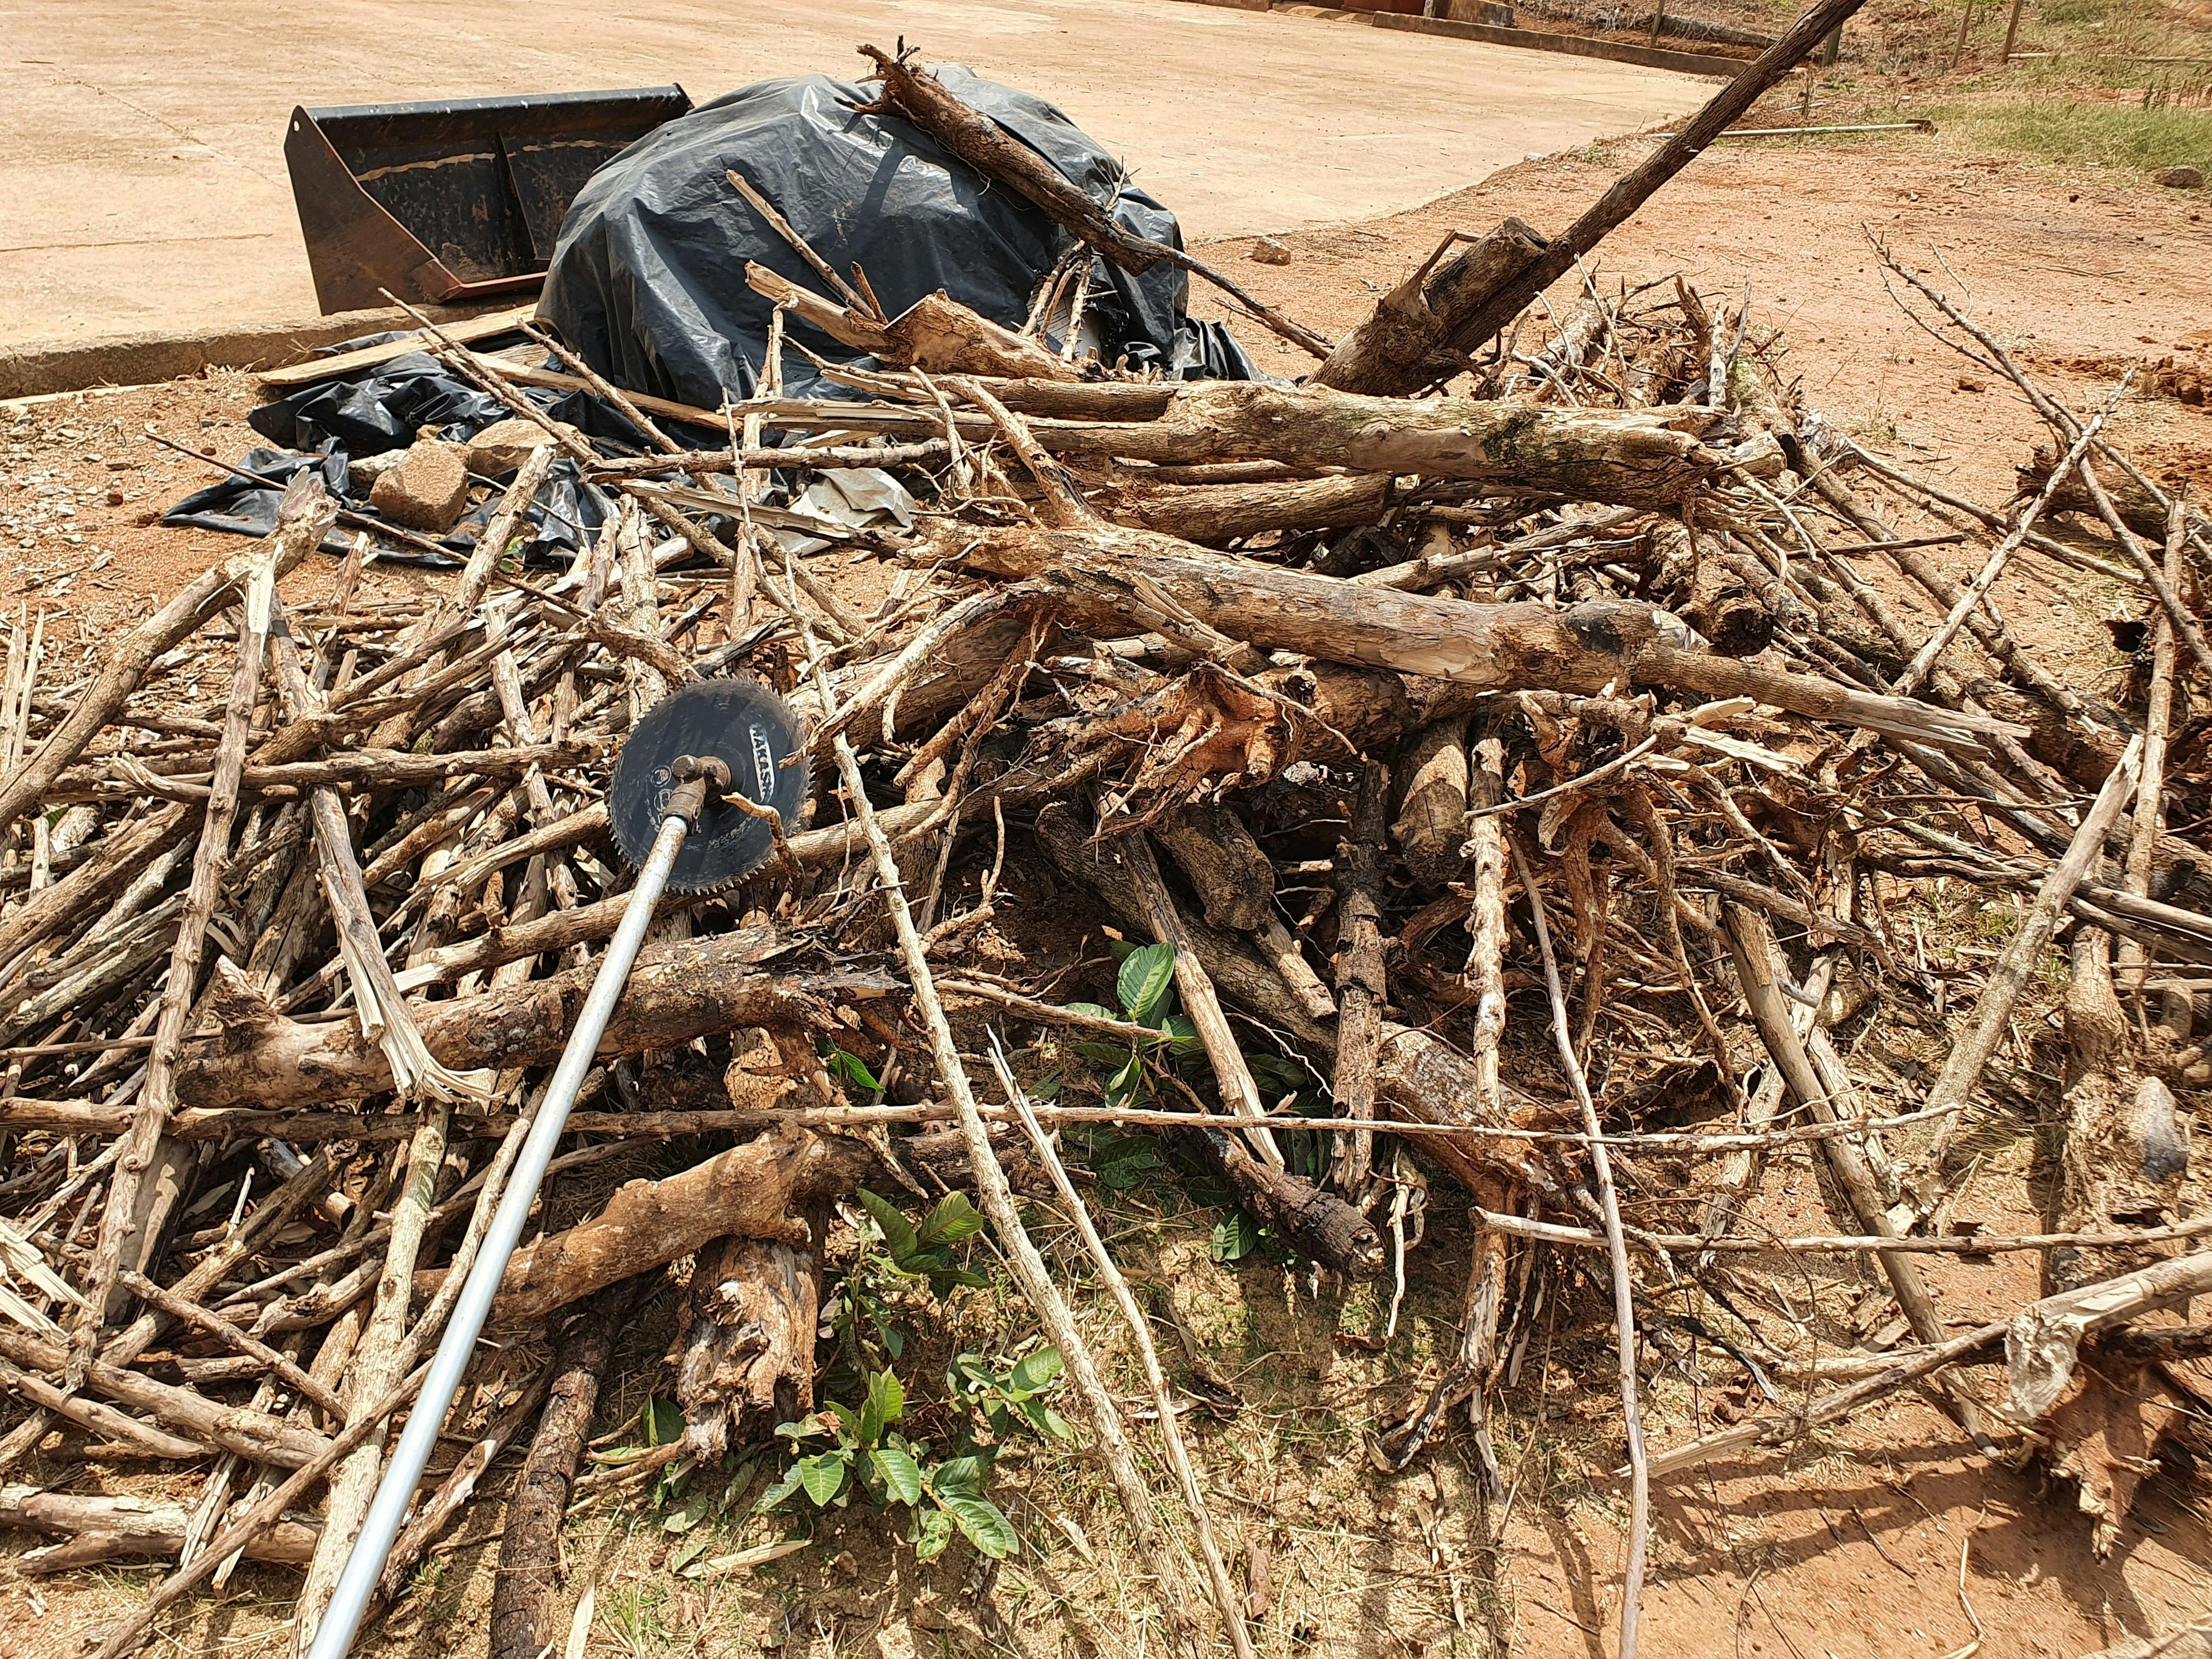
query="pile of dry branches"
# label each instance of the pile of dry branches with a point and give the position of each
(1562, 719)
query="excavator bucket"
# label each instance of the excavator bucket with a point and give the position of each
(455, 201)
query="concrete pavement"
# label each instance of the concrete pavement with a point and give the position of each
(142, 187)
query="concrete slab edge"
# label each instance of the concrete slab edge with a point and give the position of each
(44, 368)
(1575, 46)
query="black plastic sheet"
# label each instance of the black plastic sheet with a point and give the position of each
(341, 421)
(647, 282)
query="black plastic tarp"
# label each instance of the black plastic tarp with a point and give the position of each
(388, 408)
(647, 283)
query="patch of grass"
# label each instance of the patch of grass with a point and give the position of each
(2115, 134)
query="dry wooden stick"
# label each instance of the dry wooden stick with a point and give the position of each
(1624, 1305)
(913, 92)
(1751, 946)
(1962, 1069)
(2158, 716)
(215, 1324)
(382, 1010)
(1180, 1458)
(1172, 1569)
(1240, 1092)
(1916, 671)
(127, 665)
(303, 518)
(1360, 986)
(252, 1434)
(377, 1363)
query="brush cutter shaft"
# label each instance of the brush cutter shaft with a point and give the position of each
(349, 1599)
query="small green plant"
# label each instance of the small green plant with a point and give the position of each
(893, 1253)
(1016, 1392)
(863, 1452)
(1146, 990)
(848, 1067)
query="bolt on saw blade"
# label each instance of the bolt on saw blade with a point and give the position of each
(749, 729)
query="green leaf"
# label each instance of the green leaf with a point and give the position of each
(1035, 1371)
(896, 1467)
(898, 1233)
(1125, 1083)
(1181, 1034)
(662, 1421)
(838, 1063)
(1274, 1073)
(847, 1423)
(689, 1513)
(1121, 1163)
(690, 1550)
(1144, 980)
(959, 1477)
(1237, 1237)
(986, 1525)
(1091, 1009)
(823, 1476)
(886, 1404)
(1046, 1088)
(777, 1493)
(953, 1220)
(932, 1531)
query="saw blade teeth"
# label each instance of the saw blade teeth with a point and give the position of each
(748, 728)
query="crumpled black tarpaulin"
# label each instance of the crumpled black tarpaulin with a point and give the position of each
(647, 281)
(387, 409)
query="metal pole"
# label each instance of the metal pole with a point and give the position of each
(356, 1585)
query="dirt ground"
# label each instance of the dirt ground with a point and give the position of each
(1887, 1538)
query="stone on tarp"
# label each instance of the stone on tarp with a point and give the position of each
(505, 444)
(428, 490)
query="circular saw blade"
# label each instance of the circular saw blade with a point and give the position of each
(749, 729)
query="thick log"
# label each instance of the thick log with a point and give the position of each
(1234, 880)
(748, 1338)
(1414, 337)
(1229, 512)
(1431, 824)
(525, 1591)
(936, 333)
(119, 1526)
(752, 1191)
(1320, 1223)
(1642, 458)
(1111, 579)
(685, 990)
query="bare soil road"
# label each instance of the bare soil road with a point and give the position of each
(142, 185)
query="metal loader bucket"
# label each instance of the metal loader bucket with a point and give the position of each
(454, 200)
